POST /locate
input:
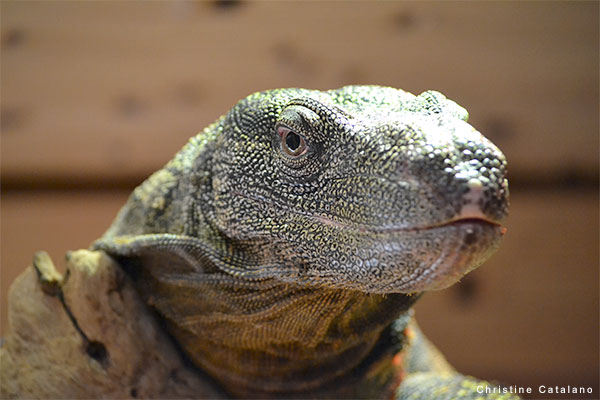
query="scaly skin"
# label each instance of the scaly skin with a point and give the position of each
(282, 242)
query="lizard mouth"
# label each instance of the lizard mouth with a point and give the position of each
(396, 258)
(470, 217)
(430, 257)
(457, 221)
(470, 241)
(460, 221)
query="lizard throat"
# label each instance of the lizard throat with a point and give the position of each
(284, 349)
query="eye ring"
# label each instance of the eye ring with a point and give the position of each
(292, 144)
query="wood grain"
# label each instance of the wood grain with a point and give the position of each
(102, 91)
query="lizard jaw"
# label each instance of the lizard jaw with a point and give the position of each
(477, 218)
(471, 241)
(466, 241)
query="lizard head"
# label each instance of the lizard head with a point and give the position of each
(280, 242)
(364, 188)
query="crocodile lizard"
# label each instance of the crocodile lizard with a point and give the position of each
(284, 245)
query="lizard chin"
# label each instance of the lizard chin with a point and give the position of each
(412, 260)
(468, 243)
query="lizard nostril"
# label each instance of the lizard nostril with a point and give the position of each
(470, 237)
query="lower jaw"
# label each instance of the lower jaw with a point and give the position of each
(463, 245)
(478, 240)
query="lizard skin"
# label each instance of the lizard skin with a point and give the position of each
(284, 245)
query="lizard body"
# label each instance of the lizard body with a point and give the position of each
(285, 244)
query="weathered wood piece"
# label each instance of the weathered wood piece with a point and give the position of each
(86, 335)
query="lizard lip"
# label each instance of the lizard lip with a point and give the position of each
(467, 220)
(460, 220)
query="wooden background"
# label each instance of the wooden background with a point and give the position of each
(96, 96)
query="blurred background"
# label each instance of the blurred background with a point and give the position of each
(97, 95)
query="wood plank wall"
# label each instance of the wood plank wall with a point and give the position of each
(96, 96)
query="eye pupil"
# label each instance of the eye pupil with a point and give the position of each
(292, 141)
(292, 144)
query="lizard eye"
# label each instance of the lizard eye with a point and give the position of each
(292, 144)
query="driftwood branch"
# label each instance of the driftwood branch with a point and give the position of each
(88, 334)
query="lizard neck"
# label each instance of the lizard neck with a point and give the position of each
(275, 340)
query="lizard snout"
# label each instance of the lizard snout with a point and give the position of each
(482, 175)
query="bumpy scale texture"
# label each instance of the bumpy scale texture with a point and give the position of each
(285, 244)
